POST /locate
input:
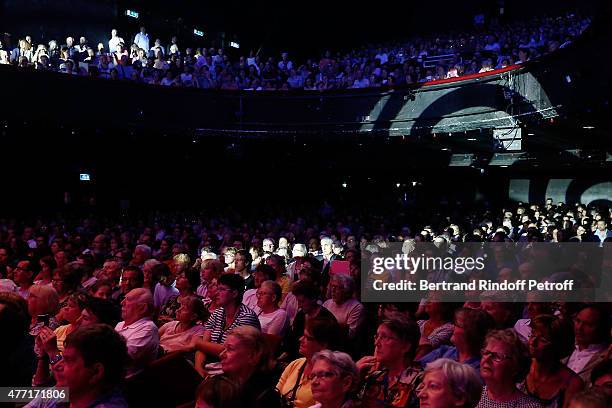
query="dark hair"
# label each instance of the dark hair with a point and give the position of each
(247, 255)
(603, 321)
(49, 261)
(70, 278)
(14, 320)
(325, 331)
(197, 307)
(476, 324)
(139, 273)
(105, 311)
(99, 283)
(235, 282)
(267, 270)
(592, 398)
(100, 343)
(559, 332)
(220, 391)
(193, 277)
(407, 331)
(306, 289)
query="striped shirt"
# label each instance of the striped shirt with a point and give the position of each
(216, 323)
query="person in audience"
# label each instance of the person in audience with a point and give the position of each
(100, 311)
(470, 329)
(131, 278)
(187, 283)
(307, 296)
(218, 391)
(246, 360)
(549, 380)
(334, 379)
(210, 269)
(273, 320)
(102, 289)
(178, 334)
(395, 344)
(231, 313)
(437, 329)
(93, 366)
(448, 383)
(24, 278)
(65, 282)
(47, 266)
(504, 363)
(348, 311)
(294, 383)
(139, 331)
(16, 366)
(262, 273)
(592, 398)
(592, 337)
(242, 266)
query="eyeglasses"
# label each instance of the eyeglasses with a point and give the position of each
(322, 375)
(497, 357)
(384, 338)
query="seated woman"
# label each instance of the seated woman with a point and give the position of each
(388, 377)
(550, 381)
(294, 383)
(437, 329)
(178, 334)
(230, 313)
(100, 311)
(447, 383)
(187, 283)
(273, 320)
(504, 362)
(470, 329)
(334, 378)
(246, 361)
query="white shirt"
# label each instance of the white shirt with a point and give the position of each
(580, 358)
(142, 340)
(113, 43)
(275, 323)
(249, 298)
(351, 313)
(142, 41)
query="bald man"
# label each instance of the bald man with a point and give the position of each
(138, 329)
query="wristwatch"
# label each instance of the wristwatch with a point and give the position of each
(55, 359)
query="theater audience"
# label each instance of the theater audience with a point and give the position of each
(187, 283)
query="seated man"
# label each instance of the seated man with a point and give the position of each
(92, 367)
(138, 329)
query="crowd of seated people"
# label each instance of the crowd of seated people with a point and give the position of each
(94, 305)
(419, 59)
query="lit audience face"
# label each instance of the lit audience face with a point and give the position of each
(103, 292)
(585, 327)
(309, 345)
(72, 371)
(327, 383)
(132, 307)
(129, 281)
(235, 355)
(388, 347)
(497, 362)
(435, 392)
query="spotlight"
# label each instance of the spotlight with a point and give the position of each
(344, 185)
(131, 13)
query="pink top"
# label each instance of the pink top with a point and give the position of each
(170, 340)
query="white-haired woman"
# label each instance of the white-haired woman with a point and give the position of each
(348, 311)
(272, 318)
(448, 383)
(334, 378)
